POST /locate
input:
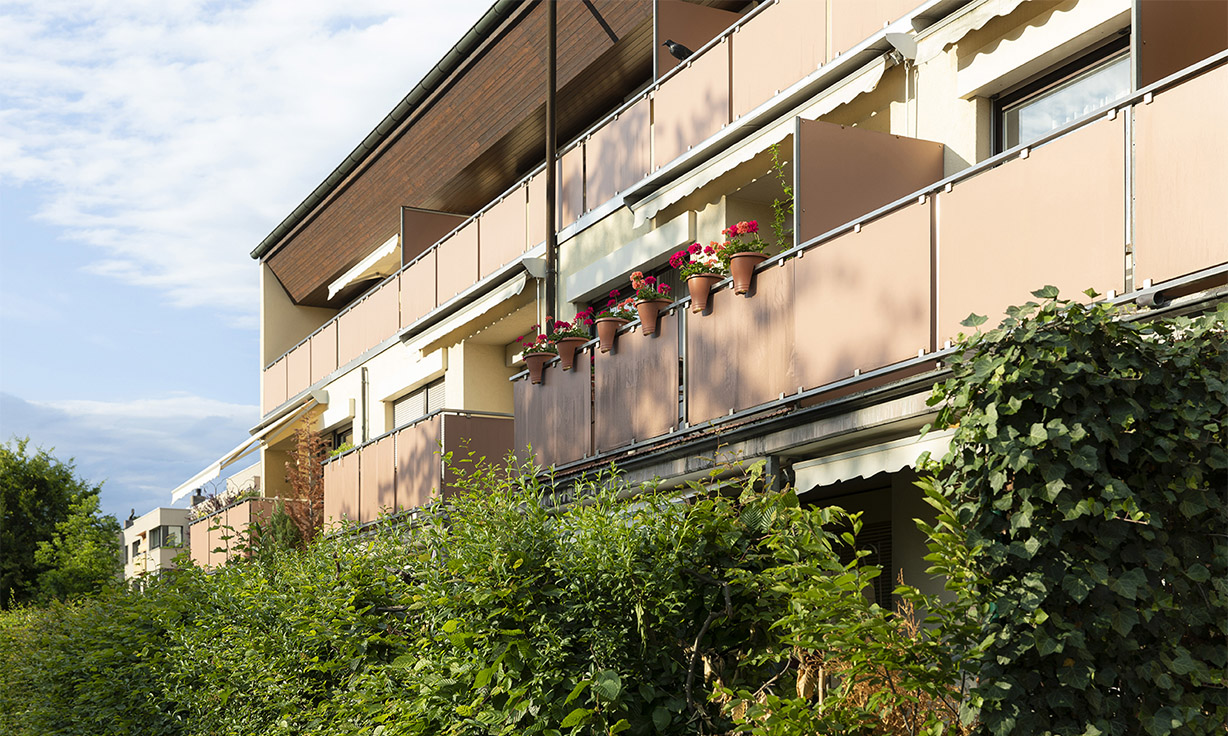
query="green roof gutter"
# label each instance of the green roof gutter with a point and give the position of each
(500, 11)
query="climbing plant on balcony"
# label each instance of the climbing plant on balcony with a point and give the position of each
(1086, 486)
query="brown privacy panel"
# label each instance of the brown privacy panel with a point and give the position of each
(420, 229)
(863, 299)
(690, 25)
(1056, 217)
(350, 333)
(1174, 34)
(537, 210)
(503, 232)
(457, 264)
(853, 21)
(475, 441)
(198, 543)
(1180, 188)
(571, 186)
(377, 469)
(555, 416)
(417, 288)
(618, 154)
(775, 49)
(417, 463)
(341, 489)
(384, 315)
(323, 350)
(691, 106)
(849, 172)
(741, 354)
(274, 394)
(636, 394)
(216, 525)
(298, 370)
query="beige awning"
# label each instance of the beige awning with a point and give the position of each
(379, 263)
(954, 27)
(244, 448)
(464, 320)
(887, 457)
(865, 80)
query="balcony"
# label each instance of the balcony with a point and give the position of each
(220, 533)
(729, 79)
(405, 469)
(877, 296)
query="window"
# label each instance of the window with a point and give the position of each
(1062, 95)
(341, 437)
(418, 403)
(136, 548)
(166, 536)
(173, 536)
(664, 273)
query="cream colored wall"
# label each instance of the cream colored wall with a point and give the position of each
(273, 472)
(393, 373)
(282, 323)
(484, 378)
(741, 210)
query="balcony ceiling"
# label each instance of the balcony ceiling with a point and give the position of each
(474, 138)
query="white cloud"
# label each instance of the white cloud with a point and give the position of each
(174, 136)
(141, 449)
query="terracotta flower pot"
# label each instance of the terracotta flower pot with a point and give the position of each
(700, 285)
(742, 267)
(607, 331)
(567, 350)
(536, 363)
(649, 310)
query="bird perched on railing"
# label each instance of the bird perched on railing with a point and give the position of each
(676, 49)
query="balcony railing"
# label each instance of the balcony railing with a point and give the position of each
(1143, 181)
(217, 537)
(726, 80)
(404, 469)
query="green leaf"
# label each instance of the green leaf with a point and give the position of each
(661, 718)
(974, 320)
(1049, 292)
(575, 691)
(575, 718)
(619, 727)
(607, 685)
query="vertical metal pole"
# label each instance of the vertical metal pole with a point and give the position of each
(552, 239)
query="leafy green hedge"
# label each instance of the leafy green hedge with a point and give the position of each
(1076, 523)
(1088, 494)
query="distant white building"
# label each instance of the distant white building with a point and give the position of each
(153, 541)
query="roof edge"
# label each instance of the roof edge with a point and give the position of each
(500, 11)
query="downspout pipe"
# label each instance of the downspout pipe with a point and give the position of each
(552, 236)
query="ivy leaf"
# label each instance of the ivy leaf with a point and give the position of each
(1049, 292)
(974, 320)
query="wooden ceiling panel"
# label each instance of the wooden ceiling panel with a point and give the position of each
(481, 134)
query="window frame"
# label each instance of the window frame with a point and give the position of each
(1053, 78)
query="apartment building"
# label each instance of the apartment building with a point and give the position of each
(152, 541)
(944, 157)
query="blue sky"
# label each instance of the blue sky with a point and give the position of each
(146, 148)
